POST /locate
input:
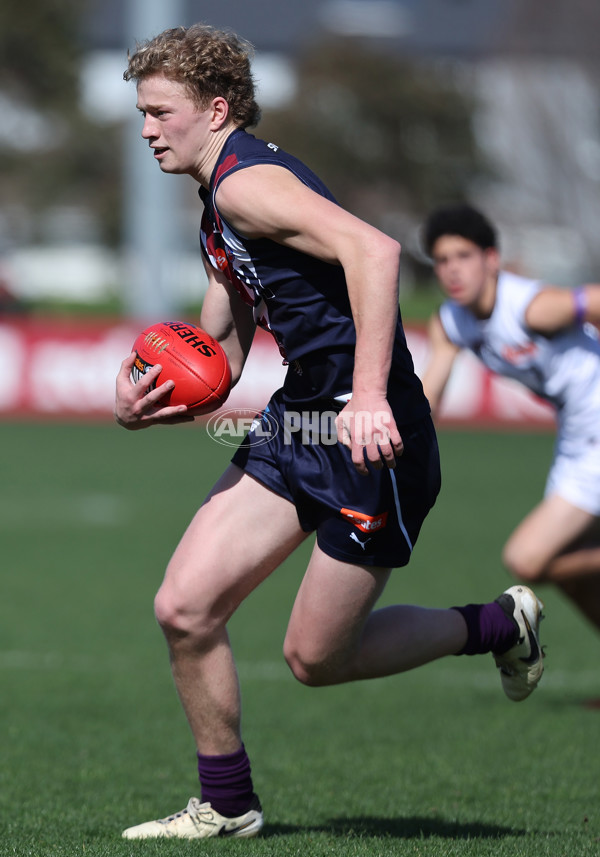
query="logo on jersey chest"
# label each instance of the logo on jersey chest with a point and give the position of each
(518, 354)
(221, 260)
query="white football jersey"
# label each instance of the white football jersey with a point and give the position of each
(563, 369)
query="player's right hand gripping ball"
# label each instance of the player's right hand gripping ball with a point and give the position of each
(189, 357)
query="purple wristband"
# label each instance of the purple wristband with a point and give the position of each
(580, 300)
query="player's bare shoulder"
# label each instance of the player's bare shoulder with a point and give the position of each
(258, 200)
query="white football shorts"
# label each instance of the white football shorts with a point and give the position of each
(575, 473)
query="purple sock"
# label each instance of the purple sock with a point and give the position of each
(226, 782)
(489, 628)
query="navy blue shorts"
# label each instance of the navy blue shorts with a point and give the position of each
(367, 520)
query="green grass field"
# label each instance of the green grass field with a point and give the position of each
(434, 762)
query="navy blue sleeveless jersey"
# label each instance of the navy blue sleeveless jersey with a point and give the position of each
(301, 300)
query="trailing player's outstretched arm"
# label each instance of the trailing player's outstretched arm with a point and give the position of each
(441, 360)
(554, 308)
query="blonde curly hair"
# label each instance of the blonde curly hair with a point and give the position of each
(207, 61)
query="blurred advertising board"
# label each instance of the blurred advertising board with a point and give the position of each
(65, 369)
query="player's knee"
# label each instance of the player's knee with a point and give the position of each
(307, 668)
(169, 615)
(178, 621)
(312, 675)
(523, 568)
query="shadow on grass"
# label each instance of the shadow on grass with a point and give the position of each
(399, 828)
(566, 701)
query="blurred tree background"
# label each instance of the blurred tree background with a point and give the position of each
(452, 107)
(389, 136)
(53, 155)
(392, 137)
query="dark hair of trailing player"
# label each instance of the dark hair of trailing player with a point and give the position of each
(462, 220)
(207, 61)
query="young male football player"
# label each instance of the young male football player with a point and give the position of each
(536, 333)
(282, 254)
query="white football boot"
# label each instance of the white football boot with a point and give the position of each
(200, 821)
(521, 667)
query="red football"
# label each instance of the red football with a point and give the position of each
(188, 356)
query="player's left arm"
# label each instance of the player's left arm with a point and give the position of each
(141, 405)
(228, 319)
(270, 202)
(554, 308)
